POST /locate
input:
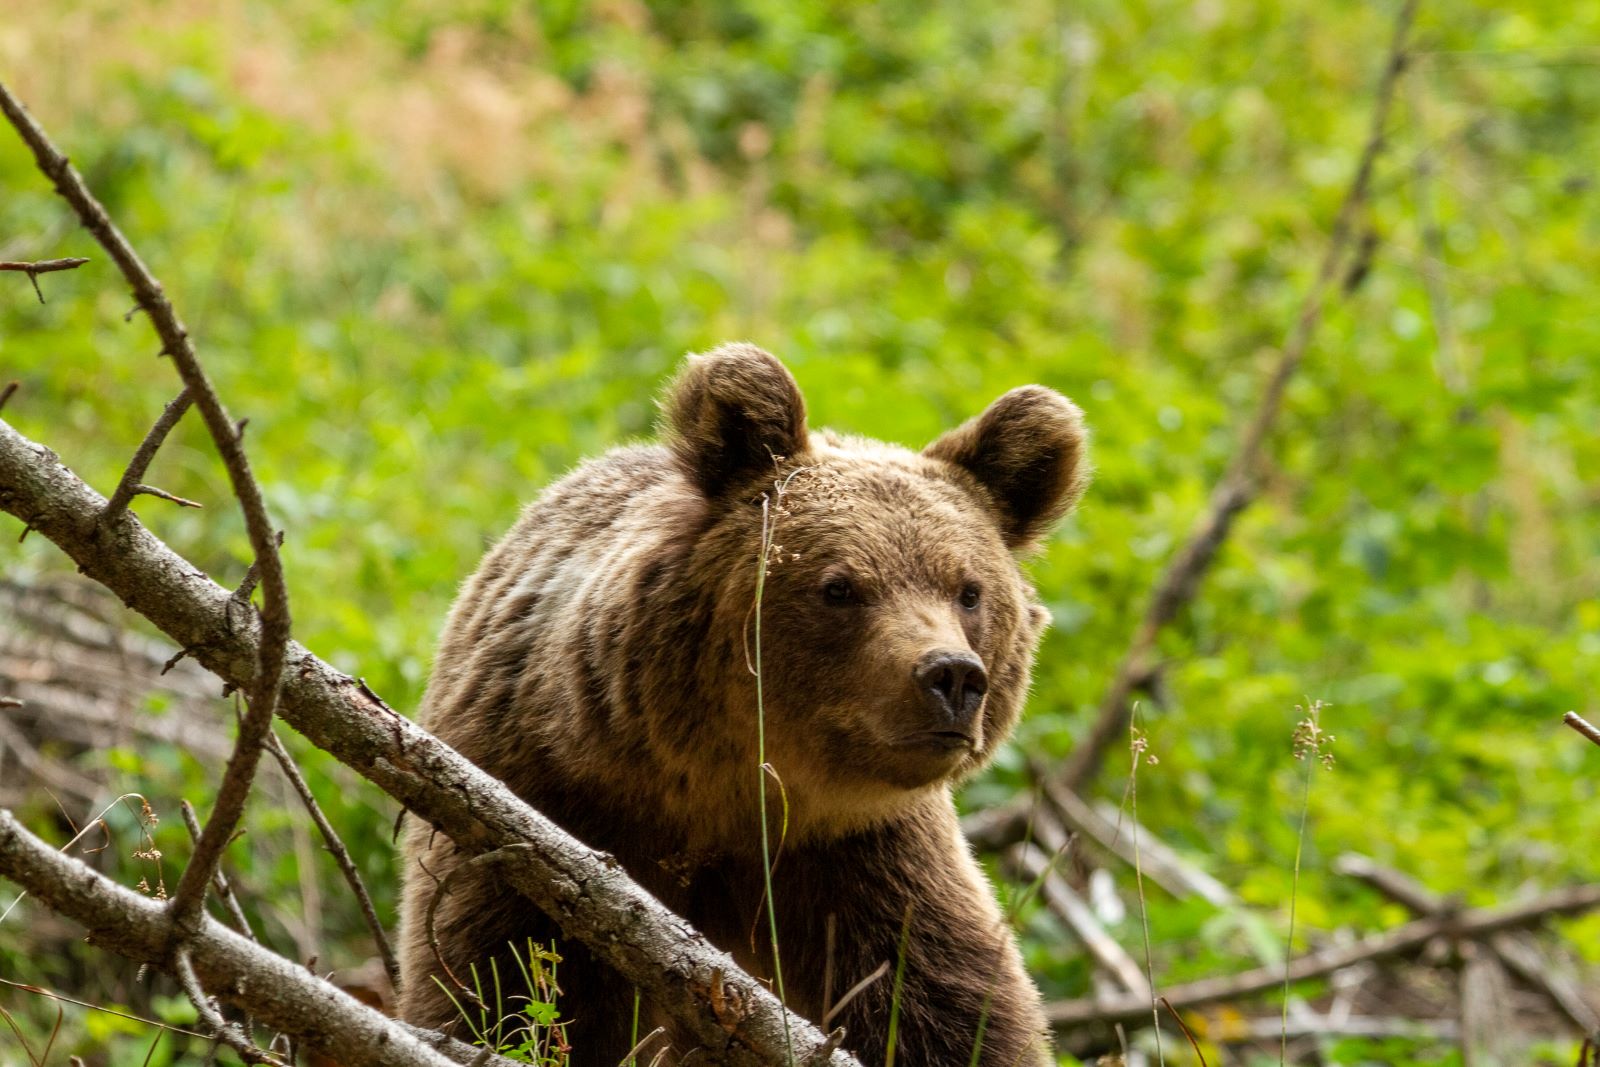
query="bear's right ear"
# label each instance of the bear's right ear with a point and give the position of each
(730, 412)
(1029, 452)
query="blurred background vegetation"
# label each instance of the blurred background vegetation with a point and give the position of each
(437, 252)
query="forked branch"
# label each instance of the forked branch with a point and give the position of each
(261, 686)
(37, 267)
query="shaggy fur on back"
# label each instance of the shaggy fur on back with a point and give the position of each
(599, 662)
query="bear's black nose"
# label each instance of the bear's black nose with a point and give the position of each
(952, 685)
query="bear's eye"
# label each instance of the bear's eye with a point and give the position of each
(839, 591)
(969, 597)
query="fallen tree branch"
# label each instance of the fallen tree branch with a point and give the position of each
(1483, 994)
(1515, 949)
(1239, 1031)
(282, 994)
(1031, 863)
(1112, 832)
(586, 892)
(1404, 940)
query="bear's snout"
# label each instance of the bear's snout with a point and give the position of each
(952, 685)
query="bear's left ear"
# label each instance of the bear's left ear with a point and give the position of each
(1029, 450)
(731, 411)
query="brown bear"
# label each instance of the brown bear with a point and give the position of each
(605, 659)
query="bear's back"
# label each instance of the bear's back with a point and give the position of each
(530, 665)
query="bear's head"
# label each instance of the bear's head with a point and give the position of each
(895, 633)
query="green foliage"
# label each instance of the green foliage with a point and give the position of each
(439, 252)
(521, 1023)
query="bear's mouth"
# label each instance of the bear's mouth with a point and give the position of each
(941, 740)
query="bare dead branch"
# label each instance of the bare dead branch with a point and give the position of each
(1478, 923)
(1582, 725)
(42, 266)
(1516, 950)
(150, 490)
(587, 893)
(1112, 832)
(1033, 863)
(1157, 858)
(1447, 360)
(341, 856)
(219, 881)
(262, 685)
(1483, 995)
(37, 267)
(1239, 482)
(283, 995)
(128, 487)
(1397, 886)
(854, 991)
(1236, 1031)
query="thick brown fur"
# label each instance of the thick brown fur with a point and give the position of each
(599, 662)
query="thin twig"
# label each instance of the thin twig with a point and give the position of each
(1201, 1056)
(341, 855)
(150, 490)
(50, 994)
(219, 881)
(38, 267)
(1447, 358)
(42, 266)
(223, 887)
(129, 486)
(227, 1032)
(850, 994)
(7, 390)
(440, 891)
(186, 903)
(1582, 725)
